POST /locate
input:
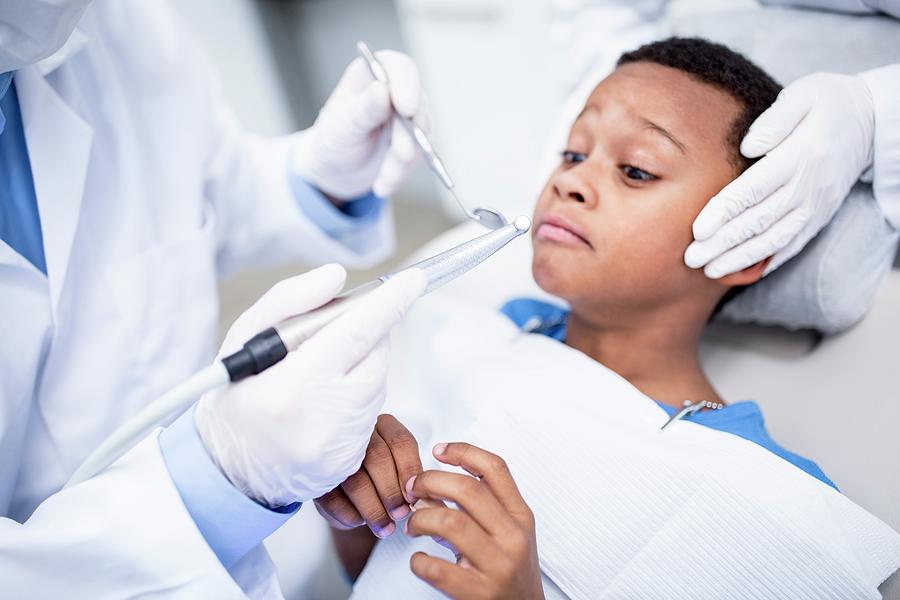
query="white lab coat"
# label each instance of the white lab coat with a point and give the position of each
(147, 192)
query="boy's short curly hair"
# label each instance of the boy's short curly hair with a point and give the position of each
(721, 67)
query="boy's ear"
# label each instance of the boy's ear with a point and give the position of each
(748, 276)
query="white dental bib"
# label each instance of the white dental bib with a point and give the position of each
(622, 510)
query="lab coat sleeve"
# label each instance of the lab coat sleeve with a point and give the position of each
(884, 83)
(261, 206)
(124, 533)
(231, 523)
(354, 224)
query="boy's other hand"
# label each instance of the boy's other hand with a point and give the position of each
(374, 495)
(493, 532)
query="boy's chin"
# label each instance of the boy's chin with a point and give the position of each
(553, 277)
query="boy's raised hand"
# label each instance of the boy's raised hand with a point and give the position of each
(374, 495)
(493, 532)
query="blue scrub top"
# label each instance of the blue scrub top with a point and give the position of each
(20, 224)
(743, 419)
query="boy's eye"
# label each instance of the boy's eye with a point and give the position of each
(638, 174)
(573, 158)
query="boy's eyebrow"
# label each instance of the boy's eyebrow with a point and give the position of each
(646, 122)
(659, 129)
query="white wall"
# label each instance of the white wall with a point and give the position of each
(232, 32)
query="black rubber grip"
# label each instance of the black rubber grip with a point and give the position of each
(259, 353)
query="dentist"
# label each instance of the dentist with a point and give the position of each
(127, 190)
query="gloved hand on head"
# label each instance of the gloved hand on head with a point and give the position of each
(300, 428)
(355, 146)
(815, 141)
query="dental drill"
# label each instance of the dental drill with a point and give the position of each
(269, 347)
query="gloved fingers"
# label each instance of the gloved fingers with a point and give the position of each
(356, 77)
(342, 344)
(789, 251)
(777, 122)
(750, 188)
(397, 163)
(406, 87)
(758, 248)
(287, 298)
(368, 110)
(751, 223)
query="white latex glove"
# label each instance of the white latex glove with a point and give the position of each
(300, 428)
(355, 146)
(817, 140)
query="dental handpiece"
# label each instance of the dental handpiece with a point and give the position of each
(272, 345)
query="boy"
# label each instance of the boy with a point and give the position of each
(656, 139)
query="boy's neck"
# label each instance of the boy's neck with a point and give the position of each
(658, 354)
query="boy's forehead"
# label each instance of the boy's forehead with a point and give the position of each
(693, 111)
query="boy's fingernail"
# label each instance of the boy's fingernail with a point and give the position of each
(439, 449)
(400, 512)
(386, 531)
(409, 488)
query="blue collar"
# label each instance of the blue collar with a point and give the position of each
(5, 82)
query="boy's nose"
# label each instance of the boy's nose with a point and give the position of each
(571, 186)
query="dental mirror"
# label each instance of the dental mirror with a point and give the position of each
(488, 217)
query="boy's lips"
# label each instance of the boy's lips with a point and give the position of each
(556, 228)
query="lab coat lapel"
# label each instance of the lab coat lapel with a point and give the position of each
(72, 46)
(59, 146)
(10, 257)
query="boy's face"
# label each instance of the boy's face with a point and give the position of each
(614, 220)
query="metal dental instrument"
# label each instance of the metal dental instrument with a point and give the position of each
(690, 408)
(269, 347)
(439, 270)
(490, 218)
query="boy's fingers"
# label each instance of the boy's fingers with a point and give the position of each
(379, 464)
(337, 509)
(362, 493)
(452, 580)
(469, 493)
(464, 534)
(489, 467)
(403, 447)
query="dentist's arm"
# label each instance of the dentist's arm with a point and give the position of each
(822, 133)
(175, 515)
(355, 156)
(256, 449)
(355, 147)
